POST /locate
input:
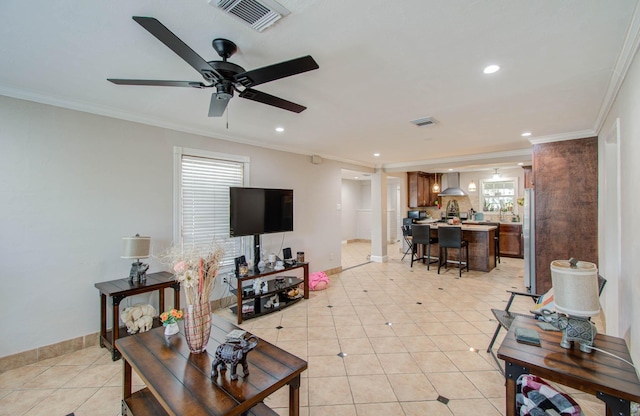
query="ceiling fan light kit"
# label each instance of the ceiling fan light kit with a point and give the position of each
(225, 76)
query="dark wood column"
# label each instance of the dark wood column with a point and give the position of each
(566, 204)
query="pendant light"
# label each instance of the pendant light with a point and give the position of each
(496, 175)
(436, 187)
(472, 186)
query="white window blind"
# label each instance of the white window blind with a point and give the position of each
(204, 203)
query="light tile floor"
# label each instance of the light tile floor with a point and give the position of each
(406, 333)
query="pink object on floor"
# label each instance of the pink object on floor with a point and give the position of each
(318, 281)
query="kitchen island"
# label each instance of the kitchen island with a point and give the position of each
(481, 244)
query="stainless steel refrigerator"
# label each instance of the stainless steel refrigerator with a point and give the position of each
(529, 235)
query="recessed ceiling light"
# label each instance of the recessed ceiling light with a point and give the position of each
(526, 134)
(491, 69)
(279, 129)
(520, 164)
(376, 154)
(450, 170)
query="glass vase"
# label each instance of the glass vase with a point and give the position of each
(197, 326)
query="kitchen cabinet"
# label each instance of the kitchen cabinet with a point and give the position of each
(511, 241)
(420, 188)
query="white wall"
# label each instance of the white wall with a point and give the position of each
(356, 210)
(73, 184)
(350, 203)
(623, 292)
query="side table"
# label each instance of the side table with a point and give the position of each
(611, 380)
(122, 288)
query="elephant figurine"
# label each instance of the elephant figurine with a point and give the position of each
(233, 353)
(574, 329)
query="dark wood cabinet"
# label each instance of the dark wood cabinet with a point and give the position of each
(420, 188)
(511, 243)
(418, 184)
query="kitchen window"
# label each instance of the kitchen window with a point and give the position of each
(498, 195)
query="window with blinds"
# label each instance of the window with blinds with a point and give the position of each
(204, 202)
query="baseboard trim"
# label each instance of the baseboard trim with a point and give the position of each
(48, 351)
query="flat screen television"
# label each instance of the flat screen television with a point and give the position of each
(254, 211)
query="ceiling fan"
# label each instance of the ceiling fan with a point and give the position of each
(225, 76)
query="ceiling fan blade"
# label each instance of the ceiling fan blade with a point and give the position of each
(158, 83)
(268, 99)
(218, 104)
(174, 43)
(276, 71)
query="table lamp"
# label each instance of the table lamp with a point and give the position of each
(136, 248)
(576, 297)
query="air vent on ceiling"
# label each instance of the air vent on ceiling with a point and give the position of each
(257, 14)
(426, 121)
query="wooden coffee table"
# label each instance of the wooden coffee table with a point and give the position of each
(179, 383)
(611, 380)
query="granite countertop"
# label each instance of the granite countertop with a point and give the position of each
(501, 222)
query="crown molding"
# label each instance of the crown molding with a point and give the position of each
(155, 122)
(627, 53)
(581, 134)
(458, 159)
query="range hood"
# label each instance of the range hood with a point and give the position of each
(453, 186)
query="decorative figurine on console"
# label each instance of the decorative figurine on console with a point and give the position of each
(259, 286)
(138, 317)
(272, 303)
(573, 329)
(233, 353)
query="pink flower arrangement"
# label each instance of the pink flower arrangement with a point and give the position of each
(196, 270)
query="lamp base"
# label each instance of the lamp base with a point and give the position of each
(138, 273)
(573, 329)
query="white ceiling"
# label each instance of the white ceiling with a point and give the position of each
(382, 64)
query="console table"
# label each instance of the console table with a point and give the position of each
(179, 383)
(122, 288)
(609, 379)
(271, 287)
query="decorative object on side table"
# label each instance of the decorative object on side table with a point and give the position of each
(576, 293)
(233, 352)
(136, 248)
(196, 269)
(170, 321)
(138, 317)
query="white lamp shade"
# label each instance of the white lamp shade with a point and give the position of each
(135, 247)
(575, 290)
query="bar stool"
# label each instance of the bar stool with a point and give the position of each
(451, 237)
(406, 234)
(421, 235)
